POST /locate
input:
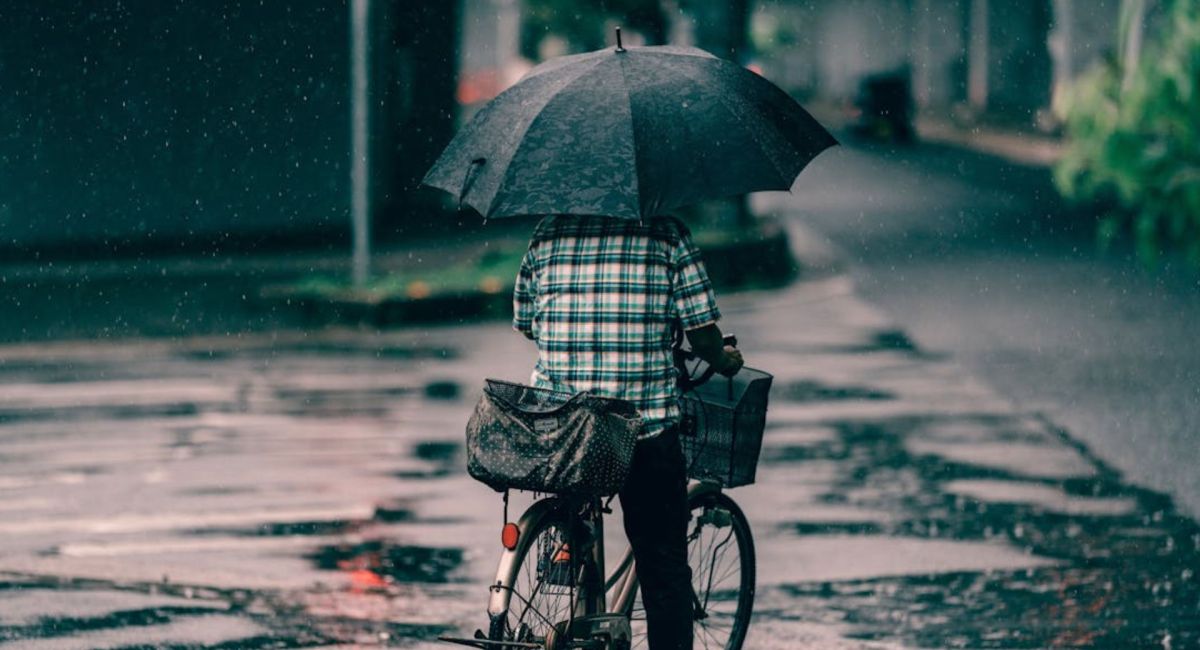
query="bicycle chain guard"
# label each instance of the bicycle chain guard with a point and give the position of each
(596, 632)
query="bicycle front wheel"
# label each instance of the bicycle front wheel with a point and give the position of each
(721, 556)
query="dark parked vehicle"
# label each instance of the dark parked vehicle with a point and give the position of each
(885, 107)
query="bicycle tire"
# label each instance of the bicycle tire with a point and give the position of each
(528, 587)
(740, 528)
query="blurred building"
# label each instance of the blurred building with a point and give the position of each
(999, 59)
(976, 59)
(489, 55)
(166, 126)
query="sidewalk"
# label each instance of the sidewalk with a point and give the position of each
(436, 279)
(479, 286)
(192, 294)
(1022, 147)
(1013, 146)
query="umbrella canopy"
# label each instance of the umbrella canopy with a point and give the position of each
(629, 133)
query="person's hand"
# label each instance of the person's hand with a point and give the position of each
(733, 361)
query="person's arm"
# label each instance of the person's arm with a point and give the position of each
(696, 307)
(524, 296)
(708, 344)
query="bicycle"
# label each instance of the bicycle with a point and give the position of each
(550, 592)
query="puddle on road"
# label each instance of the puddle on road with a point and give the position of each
(437, 451)
(376, 562)
(835, 528)
(392, 513)
(217, 491)
(285, 529)
(339, 402)
(1047, 497)
(887, 341)
(806, 391)
(179, 617)
(93, 413)
(123, 619)
(331, 409)
(893, 340)
(387, 512)
(1128, 561)
(335, 349)
(441, 458)
(1039, 608)
(443, 390)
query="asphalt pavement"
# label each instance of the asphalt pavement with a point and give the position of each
(978, 257)
(307, 489)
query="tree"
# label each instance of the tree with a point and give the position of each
(1134, 139)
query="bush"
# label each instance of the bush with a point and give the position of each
(1138, 147)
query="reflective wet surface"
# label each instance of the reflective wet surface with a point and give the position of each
(307, 490)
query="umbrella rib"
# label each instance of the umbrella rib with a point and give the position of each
(637, 176)
(521, 137)
(721, 98)
(477, 123)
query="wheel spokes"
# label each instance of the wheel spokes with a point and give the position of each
(537, 602)
(714, 553)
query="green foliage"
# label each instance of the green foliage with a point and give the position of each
(1135, 140)
(491, 271)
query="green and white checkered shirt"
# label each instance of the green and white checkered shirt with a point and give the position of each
(601, 296)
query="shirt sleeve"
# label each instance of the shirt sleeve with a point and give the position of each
(525, 295)
(691, 291)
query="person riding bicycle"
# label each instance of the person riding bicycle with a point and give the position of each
(602, 297)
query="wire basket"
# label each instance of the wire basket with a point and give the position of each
(722, 424)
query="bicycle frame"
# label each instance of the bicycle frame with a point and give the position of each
(622, 583)
(592, 598)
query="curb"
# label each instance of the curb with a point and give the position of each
(777, 254)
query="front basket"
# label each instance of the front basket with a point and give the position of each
(722, 427)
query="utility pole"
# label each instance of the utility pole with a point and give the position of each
(359, 148)
(1132, 29)
(977, 56)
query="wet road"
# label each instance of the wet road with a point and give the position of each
(980, 258)
(307, 490)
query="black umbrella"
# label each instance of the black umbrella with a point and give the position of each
(629, 133)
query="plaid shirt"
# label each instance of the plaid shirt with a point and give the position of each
(601, 297)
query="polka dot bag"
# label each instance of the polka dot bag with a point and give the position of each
(526, 438)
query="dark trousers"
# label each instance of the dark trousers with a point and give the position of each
(654, 501)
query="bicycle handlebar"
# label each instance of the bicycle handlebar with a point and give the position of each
(687, 382)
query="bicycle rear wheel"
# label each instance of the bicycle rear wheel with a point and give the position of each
(721, 556)
(543, 593)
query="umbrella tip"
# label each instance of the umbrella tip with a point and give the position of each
(620, 48)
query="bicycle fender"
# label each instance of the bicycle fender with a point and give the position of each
(699, 488)
(506, 572)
